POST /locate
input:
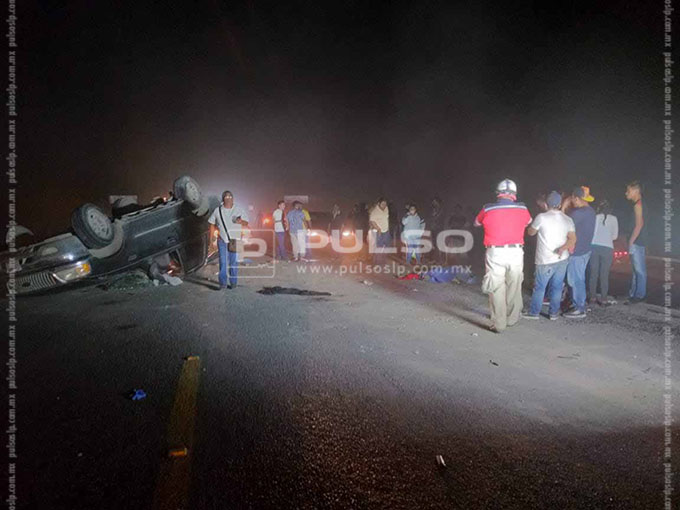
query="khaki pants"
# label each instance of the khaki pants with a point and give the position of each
(298, 243)
(503, 282)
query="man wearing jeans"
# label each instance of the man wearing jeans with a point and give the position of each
(636, 246)
(229, 220)
(556, 236)
(584, 223)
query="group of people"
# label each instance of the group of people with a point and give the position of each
(296, 221)
(229, 220)
(383, 227)
(571, 236)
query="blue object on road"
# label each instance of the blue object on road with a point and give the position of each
(137, 395)
(442, 274)
(448, 274)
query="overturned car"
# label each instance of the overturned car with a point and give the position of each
(98, 247)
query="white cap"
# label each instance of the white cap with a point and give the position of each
(507, 186)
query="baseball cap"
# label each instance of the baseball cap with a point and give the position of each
(554, 199)
(584, 193)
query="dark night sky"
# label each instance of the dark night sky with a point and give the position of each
(344, 101)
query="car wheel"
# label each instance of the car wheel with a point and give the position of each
(187, 189)
(92, 226)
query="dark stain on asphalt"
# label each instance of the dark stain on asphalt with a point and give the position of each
(125, 327)
(270, 291)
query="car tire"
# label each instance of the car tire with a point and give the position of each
(92, 226)
(187, 189)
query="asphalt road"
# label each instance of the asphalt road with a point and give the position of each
(334, 402)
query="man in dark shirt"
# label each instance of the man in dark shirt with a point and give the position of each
(637, 245)
(584, 222)
(435, 224)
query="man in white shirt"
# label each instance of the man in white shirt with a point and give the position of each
(229, 220)
(556, 236)
(280, 231)
(378, 219)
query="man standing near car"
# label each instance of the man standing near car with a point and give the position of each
(228, 219)
(504, 222)
(584, 222)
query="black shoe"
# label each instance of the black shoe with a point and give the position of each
(633, 301)
(230, 286)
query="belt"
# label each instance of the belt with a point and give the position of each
(506, 246)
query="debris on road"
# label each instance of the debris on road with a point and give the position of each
(178, 452)
(140, 278)
(133, 280)
(162, 269)
(475, 334)
(493, 363)
(172, 280)
(452, 274)
(411, 276)
(575, 355)
(269, 291)
(440, 461)
(367, 282)
(442, 274)
(137, 395)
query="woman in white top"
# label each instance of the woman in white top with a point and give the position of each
(606, 231)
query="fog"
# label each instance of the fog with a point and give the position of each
(344, 103)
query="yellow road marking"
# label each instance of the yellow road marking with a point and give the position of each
(172, 487)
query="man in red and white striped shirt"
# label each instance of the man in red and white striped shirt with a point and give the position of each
(504, 222)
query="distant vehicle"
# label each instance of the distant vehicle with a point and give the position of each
(98, 247)
(620, 249)
(264, 221)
